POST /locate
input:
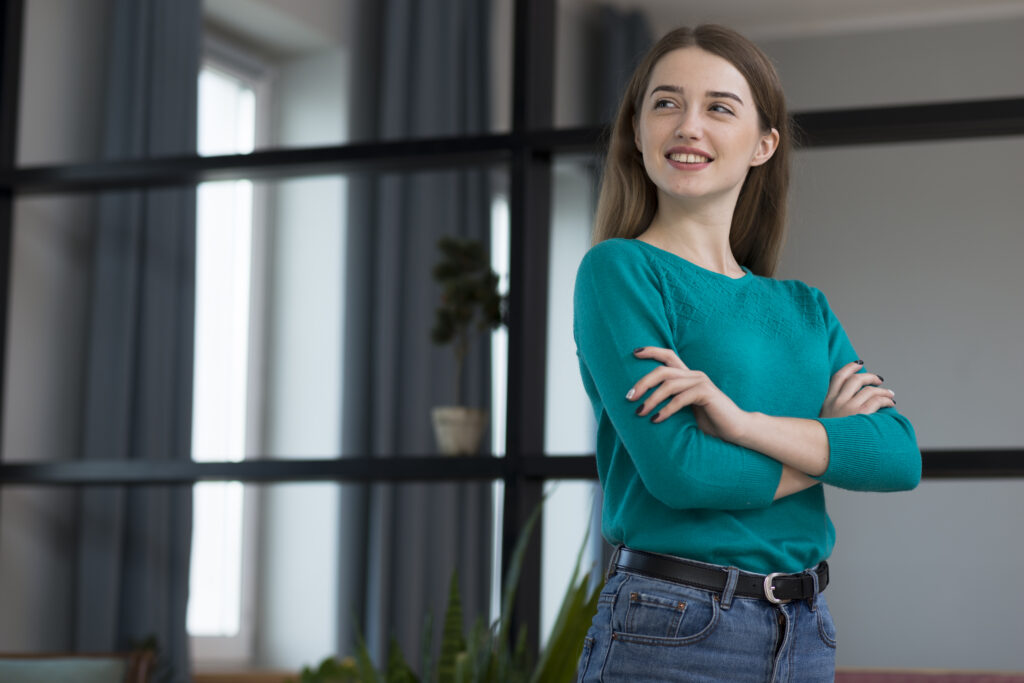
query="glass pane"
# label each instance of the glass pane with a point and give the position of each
(572, 520)
(306, 593)
(885, 230)
(569, 418)
(299, 580)
(596, 47)
(849, 55)
(326, 271)
(48, 327)
(321, 72)
(215, 586)
(919, 263)
(351, 308)
(879, 64)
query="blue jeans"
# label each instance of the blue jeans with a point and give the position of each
(647, 629)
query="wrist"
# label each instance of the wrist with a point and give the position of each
(750, 424)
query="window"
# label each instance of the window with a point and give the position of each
(221, 585)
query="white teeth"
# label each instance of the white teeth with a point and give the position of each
(688, 158)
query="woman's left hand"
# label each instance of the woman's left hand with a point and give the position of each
(716, 413)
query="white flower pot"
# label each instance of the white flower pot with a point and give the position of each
(459, 429)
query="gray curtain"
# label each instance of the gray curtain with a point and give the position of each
(619, 38)
(423, 72)
(133, 543)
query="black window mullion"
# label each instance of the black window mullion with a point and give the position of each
(529, 219)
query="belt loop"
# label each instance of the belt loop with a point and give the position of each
(613, 563)
(730, 587)
(812, 601)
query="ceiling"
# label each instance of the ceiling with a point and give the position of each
(297, 26)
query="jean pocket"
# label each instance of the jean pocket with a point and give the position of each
(826, 627)
(654, 615)
(669, 617)
(581, 668)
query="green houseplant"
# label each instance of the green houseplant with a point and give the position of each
(486, 654)
(470, 306)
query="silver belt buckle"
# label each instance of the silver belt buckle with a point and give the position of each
(769, 589)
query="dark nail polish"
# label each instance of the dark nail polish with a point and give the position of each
(859, 362)
(640, 409)
(881, 379)
(654, 418)
(639, 349)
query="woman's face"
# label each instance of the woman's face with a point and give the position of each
(698, 128)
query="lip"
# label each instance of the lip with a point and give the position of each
(688, 150)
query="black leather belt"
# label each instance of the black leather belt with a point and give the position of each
(775, 588)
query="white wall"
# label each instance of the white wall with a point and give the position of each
(47, 326)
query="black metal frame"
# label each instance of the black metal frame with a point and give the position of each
(531, 469)
(528, 151)
(875, 125)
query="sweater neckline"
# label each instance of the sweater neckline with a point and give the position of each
(668, 255)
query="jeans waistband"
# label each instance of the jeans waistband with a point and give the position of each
(776, 587)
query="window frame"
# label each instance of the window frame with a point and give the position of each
(232, 59)
(527, 151)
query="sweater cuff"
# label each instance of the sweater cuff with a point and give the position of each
(853, 452)
(760, 479)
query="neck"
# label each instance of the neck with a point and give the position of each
(698, 234)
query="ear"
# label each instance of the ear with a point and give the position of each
(766, 147)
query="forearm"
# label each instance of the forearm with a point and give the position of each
(797, 443)
(793, 481)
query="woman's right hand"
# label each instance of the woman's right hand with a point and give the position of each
(852, 392)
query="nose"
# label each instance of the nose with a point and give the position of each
(690, 125)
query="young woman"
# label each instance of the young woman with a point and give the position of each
(724, 398)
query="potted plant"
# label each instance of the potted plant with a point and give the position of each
(469, 294)
(486, 653)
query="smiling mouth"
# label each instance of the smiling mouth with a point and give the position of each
(689, 158)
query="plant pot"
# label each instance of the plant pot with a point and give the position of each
(458, 429)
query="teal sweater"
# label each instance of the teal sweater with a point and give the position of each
(771, 346)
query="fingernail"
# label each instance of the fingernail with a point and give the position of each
(629, 396)
(640, 409)
(859, 362)
(654, 418)
(639, 349)
(881, 379)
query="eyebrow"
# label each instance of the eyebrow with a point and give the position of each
(710, 93)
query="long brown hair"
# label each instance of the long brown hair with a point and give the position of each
(629, 200)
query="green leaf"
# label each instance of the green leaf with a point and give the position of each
(364, 663)
(452, 640)
(398, 670)
(515, 568)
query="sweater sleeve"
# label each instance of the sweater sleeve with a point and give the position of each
(619, 306)
(876, 452)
